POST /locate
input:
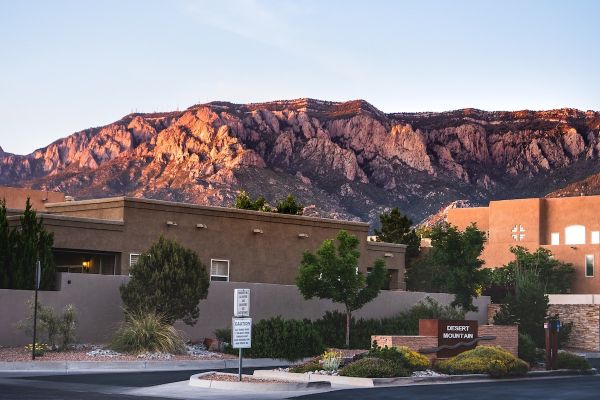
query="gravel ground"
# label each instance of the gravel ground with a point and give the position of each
(245, 378)
(98, 353)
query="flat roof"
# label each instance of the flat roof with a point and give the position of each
(174, 204)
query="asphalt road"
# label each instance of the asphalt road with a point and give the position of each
(103, 386)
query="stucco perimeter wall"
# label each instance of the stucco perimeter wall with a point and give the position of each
(98, 302)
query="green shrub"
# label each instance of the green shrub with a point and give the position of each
(58, 329)
(142, 332)
(407, 358)
(371, 367)
(527, 348)
(280, 338)
(484, 360)
(565, 360)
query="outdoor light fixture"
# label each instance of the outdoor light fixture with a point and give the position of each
(388, 255)
(257, 230)
(303, 235)
(201, 226)
(86, 264)
(171, 223)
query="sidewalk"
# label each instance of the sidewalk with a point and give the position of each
(66, 366)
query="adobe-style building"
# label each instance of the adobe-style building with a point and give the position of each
(107, 236)
(569, 227)
(16, 197)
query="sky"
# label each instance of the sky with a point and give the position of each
(69, 65)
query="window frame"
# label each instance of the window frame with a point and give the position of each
(220, 276)
(595, 237)
(137, 260)
(586, 265)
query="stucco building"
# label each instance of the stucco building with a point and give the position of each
(569, 227)
(107, 236)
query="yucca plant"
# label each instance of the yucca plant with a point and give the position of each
(141, 332)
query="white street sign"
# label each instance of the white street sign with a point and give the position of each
(241, 302)
(241, 333)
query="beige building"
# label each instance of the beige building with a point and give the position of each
(569, 227)
(107, 236)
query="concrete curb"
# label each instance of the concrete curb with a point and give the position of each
(402, 381)
(135, 365)
(254, 387)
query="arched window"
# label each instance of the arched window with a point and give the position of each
(575, 234)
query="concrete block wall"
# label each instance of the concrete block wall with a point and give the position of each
(507, 337)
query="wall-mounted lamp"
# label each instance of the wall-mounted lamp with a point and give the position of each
(574, 247)
(257, 230)
(388, 255)
(303, 235)
(171, 223)
(86, 264)
(201, 226)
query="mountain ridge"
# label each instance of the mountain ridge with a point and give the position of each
(342, 159)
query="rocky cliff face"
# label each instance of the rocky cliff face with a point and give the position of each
(346, 160)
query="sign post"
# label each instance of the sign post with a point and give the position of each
(241, 325)
(38, 275)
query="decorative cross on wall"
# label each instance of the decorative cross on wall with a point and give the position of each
(518, 233)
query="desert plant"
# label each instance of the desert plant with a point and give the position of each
(566, 360)
(407, 358)
(168, 280)
(59, 330)
(289, 205)
(484, 360)
(371, 367)
(307, 366)
(331, 360)
(40, 349)
(147, 331)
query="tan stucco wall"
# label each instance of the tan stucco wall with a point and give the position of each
(16, 197)
(99, 306)
(273, 256)
(540, 218)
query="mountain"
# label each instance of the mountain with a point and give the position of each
(342, 160)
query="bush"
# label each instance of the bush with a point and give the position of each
(371, 367)
(280, 338)
(168, 280)
(565, 360)
(527, 348)
(58, 329)
(150, 332)
(484, 360)
(407, 358)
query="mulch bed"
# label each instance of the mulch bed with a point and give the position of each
(245, 378)
(20, 354)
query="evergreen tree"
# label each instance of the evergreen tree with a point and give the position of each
(332, 273)
(397, 228)
(243, 201)
(168, 280)
(289, 206)
(5, 245)
(30, 242)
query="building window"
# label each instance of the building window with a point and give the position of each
(575, 234)
(555, 239)
(589, 265)
(219, 270)
(595, 237)
(133, 259)
(518, 233)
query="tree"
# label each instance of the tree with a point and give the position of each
(168, 280)
(243, 201)
(528, 306)
(397, 228)
(332, 273)
(555, 275)
(289, 206)
(30, 242)
(5, 245)
(454, 264)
